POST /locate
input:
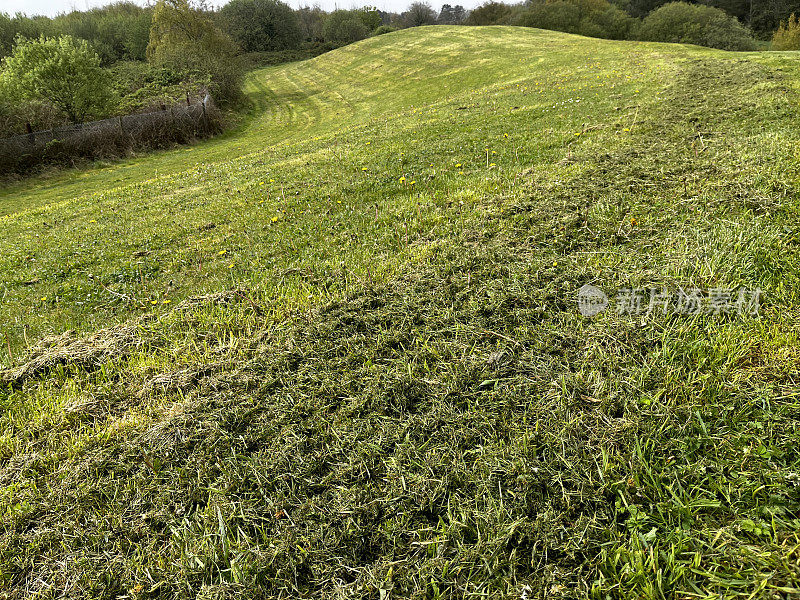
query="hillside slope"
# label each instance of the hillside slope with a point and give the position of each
(338, 354)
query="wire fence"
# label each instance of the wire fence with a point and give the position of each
(110, 137)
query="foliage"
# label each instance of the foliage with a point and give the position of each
(183, 38)
(418, 14)
(594, 18)
(370, 16)
(787, 37)
(696, 24)
(21, 26)
(490, 13)
(261, 25)
(344, 27)
(118, 31)
(311, 20)
(144, 87)
(384, 29)
(63, 71)
(760, 15)
(451, 15)
(557, 15)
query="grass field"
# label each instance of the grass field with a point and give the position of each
(337, 352)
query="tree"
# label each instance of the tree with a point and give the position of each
(419, 13)
(261, 25)
(370, 16)
(7, 34)
(451, 15)
(696, 24)
(787, 37)
(311, 21)
(184, 39)
(491, 13)
(118, 31)
(344, 27)
(63, 71)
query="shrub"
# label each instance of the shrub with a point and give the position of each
(594, 18)
(559, 15)
(261, 25)
(696, 24)
(787, 37)
(611, 23)
(145, 87)
(384, 29)
(311, 21)
(62, 71)
(344, 27)
(118, 31)
(183, 39)
(418, 14)
(491, 13)
(451, 15)
(109, 138)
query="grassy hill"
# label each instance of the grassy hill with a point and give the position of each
(337, 352)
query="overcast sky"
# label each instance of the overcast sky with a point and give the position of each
(53, 7)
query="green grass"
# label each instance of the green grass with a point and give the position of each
(387, 386)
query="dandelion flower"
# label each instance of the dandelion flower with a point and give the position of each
(412, 183)
(458, 166)
(402, 180)
(222, 252)
(363, 168)
(167, 301)
(274, 219)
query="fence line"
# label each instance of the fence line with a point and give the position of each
(105, 137)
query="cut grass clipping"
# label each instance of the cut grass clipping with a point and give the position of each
(386, 389)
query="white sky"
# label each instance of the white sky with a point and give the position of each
(53, 7)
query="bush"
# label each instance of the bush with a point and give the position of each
(611, 23)
(787, 37)
(557, 16)
(110, 138)
(311, 21)
(145, 87)
(491, 13)
(183, 39)
(696, 24)
(384, 29)
(63, 72)
(118, 31)
(261, 25)
(418, 14)
(344, 27)
(594, 18)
